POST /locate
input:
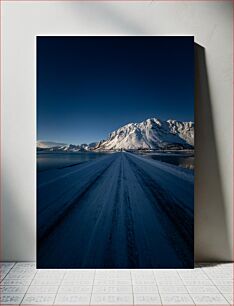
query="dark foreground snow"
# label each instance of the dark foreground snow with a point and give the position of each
(118, 211)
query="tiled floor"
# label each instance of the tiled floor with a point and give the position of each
(207, 284)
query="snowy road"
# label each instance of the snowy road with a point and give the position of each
(120, 210)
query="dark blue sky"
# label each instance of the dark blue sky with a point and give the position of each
(89, 86)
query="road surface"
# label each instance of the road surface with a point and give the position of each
(118, 211)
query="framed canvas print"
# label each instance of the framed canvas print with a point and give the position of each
(115, 152)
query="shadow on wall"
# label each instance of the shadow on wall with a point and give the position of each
(114, 17)
(211, 232)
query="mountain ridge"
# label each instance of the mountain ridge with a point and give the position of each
(150, 134)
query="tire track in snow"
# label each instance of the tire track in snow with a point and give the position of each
(133, 260)
(68, 208)
(78, 239)
(108, 223)
(177, 223)
(111, 221)
(110, 248)
(121, 198)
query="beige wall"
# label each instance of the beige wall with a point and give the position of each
(211, 24)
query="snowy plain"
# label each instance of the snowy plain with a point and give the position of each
(118, 211)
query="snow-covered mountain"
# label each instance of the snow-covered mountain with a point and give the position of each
(61, 147)
(74, 148)
(151, 134)
(48, 144)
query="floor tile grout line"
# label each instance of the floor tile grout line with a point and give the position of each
(222, 293)
(157, 287)
(215, 285)
(220, 272)
(92, 287)
(65, 272)
(28, 286)
(204, 285)
(186, 287)
(133, 300)
(14, 263)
